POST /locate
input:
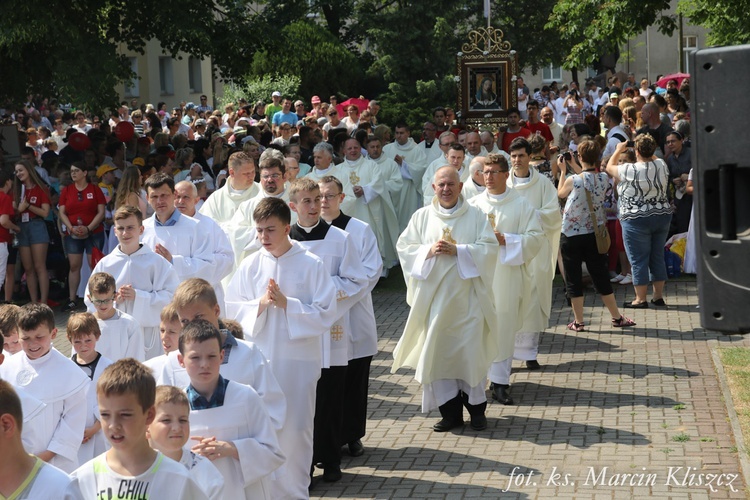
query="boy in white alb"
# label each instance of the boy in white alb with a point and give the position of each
(25, 477)
(169, 335)
(227, 420)
(130, 468)
(9, 329)
(83, 331)
(122, 336)
(170, 431)
(145, 281)
(285, 299)
(56, 381)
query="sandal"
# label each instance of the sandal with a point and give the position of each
(623, 322)
(576, 327)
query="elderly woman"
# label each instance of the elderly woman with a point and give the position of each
(578, 242)
(645, 214)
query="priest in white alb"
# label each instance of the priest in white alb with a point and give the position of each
(388, 168)
(412, 162)
(429, 145)
(324, 165)
(475, 184)
(454, 157)
(240, 186)
(520, 237)
(448, 255)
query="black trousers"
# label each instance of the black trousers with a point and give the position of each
(355, 399)
(582, 248)
(329, 413)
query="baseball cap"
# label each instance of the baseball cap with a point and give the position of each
(190, 105)
(315, 99)
(276, 94)
(614, 95)
(138, 162)
(104, 169)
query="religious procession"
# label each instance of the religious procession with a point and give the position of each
(215, 271)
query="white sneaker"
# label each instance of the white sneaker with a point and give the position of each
(617, 278)
(627, 280)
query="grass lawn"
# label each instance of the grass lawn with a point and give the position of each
(736, 361)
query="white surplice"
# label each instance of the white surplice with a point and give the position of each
(62, 386)
(449, 334)
(204, 473)
(412, 170)
(154, 280)
(97, 444)
(433, 152)
(515, 218)
(220, 250)
(122, 337)
(391, 173)
(223, 203)
(292, 340)
(374, 207)
(244, 421)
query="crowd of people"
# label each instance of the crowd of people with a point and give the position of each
(220, 268)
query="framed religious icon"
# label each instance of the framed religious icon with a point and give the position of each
(486, 68)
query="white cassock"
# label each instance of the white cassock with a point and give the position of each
(244, 422)
(241, 228)
(244, 363)
(220, 249)
(121, 337)
(49, 482)
(449, 335)
(471, 189)
(165, 478)
(463, 174)
(391, 173)
(57, 382)
(154, 280)
(433, 152)
(97, 444)
(510, 214)
(339, 172)
(374, 207)
(223, 203)
(204, 473)
(412, 171)
(292, 339)
(542, 196)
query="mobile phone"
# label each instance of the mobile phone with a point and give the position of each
(631, 144)
(566, 156)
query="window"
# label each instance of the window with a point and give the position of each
(166, 76)
(689, 45)
(194, 75)
(552, 74)
(131, 87)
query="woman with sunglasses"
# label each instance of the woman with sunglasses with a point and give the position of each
(81, 215)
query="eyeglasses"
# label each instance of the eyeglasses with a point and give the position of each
(271, 176)
(102, 302)
(329, 197)
(494, 172)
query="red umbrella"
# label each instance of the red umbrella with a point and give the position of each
(662, 82)
(359, 102)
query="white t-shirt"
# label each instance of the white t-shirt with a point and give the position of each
(46, 481)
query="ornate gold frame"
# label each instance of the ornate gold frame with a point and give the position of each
(487, 56)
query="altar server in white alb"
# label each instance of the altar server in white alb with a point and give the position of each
(228, 421)
(542, 196)
(363, 341)
(185, 200)
(373, 204)
(520, 237)
(177, 237)
(145, 280)
(241, 229)
(340, 255)
(412, 162)
(448, 256)
(240, 186)
(45, 374)
(285, 300)
(25, 477)
(121, 335)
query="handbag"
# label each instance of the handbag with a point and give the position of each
(603, 240)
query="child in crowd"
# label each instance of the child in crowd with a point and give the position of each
(130, 468)
(122, 336)
(25, 477)
(227, 419)
(44, 373)
(9, 328)
(169, 432)
(169, 334)
(145, 281)
(83, 333)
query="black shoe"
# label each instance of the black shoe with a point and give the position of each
(332, 473)
(356, 449)
(533, 364)
(70, 306)
(445, 425)
(478, 422)
(500, 393)
(452, 413)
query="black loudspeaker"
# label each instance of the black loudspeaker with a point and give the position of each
(721, 179)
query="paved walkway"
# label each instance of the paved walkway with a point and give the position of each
(610, 406)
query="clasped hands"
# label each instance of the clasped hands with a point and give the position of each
(273, 296)
(212, 449)
(442, 247)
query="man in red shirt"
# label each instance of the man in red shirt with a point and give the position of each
(535, 124)
(514, 129)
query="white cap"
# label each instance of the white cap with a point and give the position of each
(276, 94)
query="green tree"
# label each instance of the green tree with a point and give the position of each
(728, 21)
